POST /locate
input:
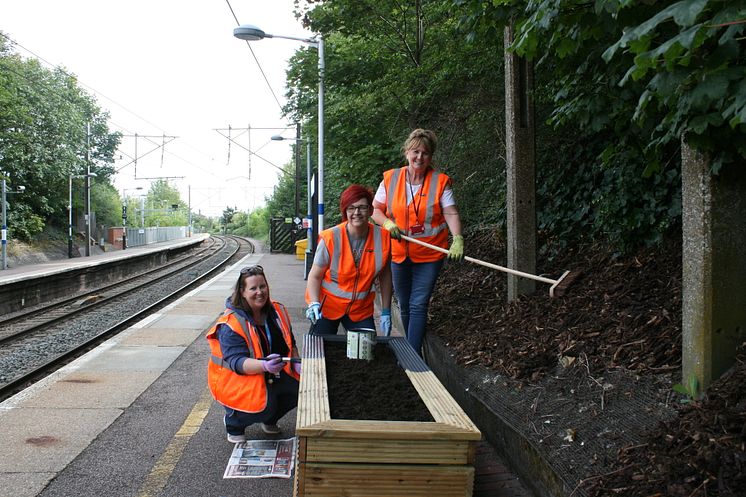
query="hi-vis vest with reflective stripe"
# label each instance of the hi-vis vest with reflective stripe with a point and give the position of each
(430, 215)
(346, 289)
(243, 392)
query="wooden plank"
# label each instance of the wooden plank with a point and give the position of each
(386, 451)
(401, 430)
(442, 406)
(387, 480)
(313, 397)
(298, 477)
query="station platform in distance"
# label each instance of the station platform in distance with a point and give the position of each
(134, 416)
(25, 271)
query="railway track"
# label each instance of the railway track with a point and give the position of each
(37, 342)
(18, 324)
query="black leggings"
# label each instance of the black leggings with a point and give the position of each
(282, 397)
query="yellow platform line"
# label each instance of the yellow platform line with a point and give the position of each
(164, 467)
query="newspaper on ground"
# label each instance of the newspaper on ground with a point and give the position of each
(262, 459)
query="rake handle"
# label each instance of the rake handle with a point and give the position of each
(489, 264)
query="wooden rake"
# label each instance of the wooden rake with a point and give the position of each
(558, 288)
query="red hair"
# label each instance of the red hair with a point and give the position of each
(352, 194)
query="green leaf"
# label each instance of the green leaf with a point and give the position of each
(565, 47)
(641, 44)
(686, 12)
(739, 117)
(713, 88)
(692, 385)
(611, 51)
(650, 168)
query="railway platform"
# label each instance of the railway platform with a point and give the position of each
(25, 271)
(134, 417)
(29, 285)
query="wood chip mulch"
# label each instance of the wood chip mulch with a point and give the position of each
(619, 313)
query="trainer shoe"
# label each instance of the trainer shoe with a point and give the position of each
(234, 439)
(270, 429)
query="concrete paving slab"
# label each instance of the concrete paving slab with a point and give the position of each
(222, 284)
(163, 337)
(138, 358)
(182, 321)
(200, 305)
(93, 390)
(24, 484)
(218, 293)
(46, 441)
(142, 323)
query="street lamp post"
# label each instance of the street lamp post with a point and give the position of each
(5, 228)
(88, 176)
(70, 209)
(142, 211)
(5, 193)
(297, 171)
(249, 32)
(70, 217)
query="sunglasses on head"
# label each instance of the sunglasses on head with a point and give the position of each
(252, 270)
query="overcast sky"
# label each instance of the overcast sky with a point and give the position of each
(173, 67)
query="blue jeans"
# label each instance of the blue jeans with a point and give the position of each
(330, 326)
(413, 285)
(282, 397)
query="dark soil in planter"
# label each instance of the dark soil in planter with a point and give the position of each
(370, 390)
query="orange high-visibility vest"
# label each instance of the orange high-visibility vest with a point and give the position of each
(429, 214)
(243, 392)
(345, 288)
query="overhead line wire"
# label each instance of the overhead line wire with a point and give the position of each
(96, 92)
(257, 60)
(59, 68)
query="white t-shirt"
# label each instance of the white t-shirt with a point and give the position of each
(446, 199)
(322, 257)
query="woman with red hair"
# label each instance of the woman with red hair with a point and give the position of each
(349, 257)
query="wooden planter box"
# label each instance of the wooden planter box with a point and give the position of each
(350, 458)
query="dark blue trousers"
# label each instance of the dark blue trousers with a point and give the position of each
(282, 397)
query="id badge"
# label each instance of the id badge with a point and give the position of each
(417, 229)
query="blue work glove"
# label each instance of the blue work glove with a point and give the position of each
(297, 367)
(313, 313)
(393, 229)
(273, 364)
(386, 322)
(456, 252)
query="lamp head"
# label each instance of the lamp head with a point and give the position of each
(249, 32)
(21, 188)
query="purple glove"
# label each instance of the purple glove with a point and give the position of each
(273, 364)
(297, 367)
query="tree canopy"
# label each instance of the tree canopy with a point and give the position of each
(50, 129)
(619, 84)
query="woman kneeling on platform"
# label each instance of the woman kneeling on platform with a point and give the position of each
(249, 372)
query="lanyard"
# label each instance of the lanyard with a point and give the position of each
(269, 336)
(415, 205)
